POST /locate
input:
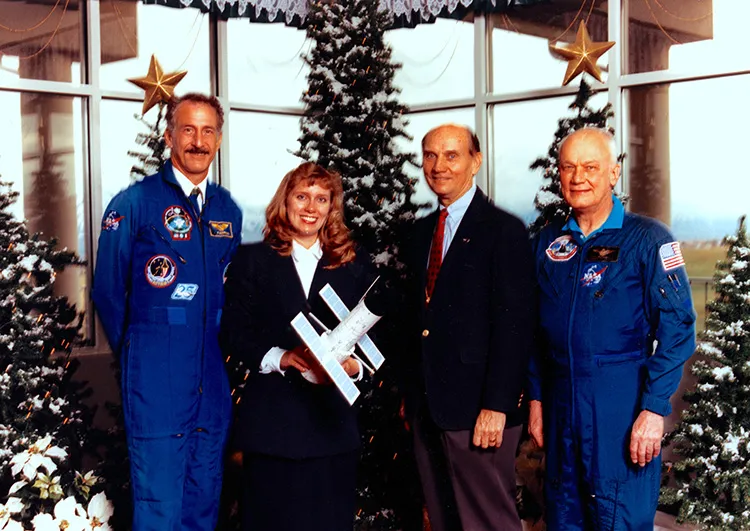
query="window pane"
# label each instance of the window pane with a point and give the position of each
(265, 63)
(41, 40)
(45, 161)
(132, 32)
(259, 158)
(438, 61)
(419, 125)
(117, 142)
(521, 59)
(683, 35)
(523, 132)
(685, 169)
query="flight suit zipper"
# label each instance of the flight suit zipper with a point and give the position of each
(169, 244)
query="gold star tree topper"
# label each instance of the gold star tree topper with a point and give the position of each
(158, 85)
(582, 55)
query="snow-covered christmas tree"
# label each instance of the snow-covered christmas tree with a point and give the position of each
(154, 152)
(549, 201)
(44, 427)
(353, 120)
(353, 123)
(712, 438)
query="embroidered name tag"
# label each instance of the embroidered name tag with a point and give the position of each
(603, 254)
(220, 229)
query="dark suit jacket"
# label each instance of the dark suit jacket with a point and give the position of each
(473, 340)
(285, 416)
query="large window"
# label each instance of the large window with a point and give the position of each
(677, 80)
(41, 40)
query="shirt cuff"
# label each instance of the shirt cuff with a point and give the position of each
(360, 373)
(272, 361)
(656, 405)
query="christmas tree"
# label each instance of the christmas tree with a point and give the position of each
(44, 426)
(152, 157)
(549, 201)
(712, 438)
(353, 121)
(352, 124)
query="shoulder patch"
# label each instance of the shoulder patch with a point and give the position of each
(671, 256)
(562, 249)
(111, 221)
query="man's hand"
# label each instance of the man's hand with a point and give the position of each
(536, 424)
(645, 438)
(299, 358)
(488, 431)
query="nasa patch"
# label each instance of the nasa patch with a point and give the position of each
(184, 292)
(111, 221)
(593, 275)
(562, 249)
(178, 222)
(161, 271)
(220, 229)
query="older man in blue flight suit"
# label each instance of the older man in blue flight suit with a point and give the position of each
(617, 327)
(165, 244)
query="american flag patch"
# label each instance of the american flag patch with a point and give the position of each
(671, 256)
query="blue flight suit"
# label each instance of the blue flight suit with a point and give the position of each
(617, 324)
(158, 289)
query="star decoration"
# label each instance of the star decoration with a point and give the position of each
(159, 86)
(582, 55)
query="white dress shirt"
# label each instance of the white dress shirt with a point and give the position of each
(305, 262)
(187, 186)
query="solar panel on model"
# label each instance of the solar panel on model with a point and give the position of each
(332, 367)
(340, 310)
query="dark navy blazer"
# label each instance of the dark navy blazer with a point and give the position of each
(286, 416)
(472, 342)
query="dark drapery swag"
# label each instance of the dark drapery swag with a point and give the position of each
(406, 13)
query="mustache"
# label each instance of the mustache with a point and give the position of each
(197, 151)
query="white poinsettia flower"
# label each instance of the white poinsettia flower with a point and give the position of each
(99, 511)
(11, 507)
(12, 525)
(38, 454)
(18, 485)
(69, 516)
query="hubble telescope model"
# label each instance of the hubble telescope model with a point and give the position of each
(331, 347)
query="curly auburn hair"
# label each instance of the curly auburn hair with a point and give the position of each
(335, 238)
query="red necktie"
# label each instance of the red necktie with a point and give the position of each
(436, 254)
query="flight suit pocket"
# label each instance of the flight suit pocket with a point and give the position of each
(677, 299)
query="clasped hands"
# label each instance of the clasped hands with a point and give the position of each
(302, 359)
(645, 436)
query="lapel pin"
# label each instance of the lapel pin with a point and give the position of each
(466, 240)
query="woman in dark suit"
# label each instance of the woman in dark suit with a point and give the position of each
(299, 440)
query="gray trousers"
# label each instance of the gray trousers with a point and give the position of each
(465, 487)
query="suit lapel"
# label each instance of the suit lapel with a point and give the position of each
(288, 282)
(462, 239)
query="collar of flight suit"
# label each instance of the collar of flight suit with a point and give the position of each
(614, 221)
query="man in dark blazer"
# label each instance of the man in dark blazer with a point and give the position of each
(472, 321)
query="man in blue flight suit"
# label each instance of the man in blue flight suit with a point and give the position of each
(165, 244)
(617, 327)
